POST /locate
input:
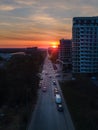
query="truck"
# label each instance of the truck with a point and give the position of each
(58, 99)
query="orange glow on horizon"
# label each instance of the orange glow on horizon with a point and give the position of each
(54, 44)
(24, 44)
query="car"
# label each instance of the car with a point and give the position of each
(54, 82)
(56, 91)
(60, 107)
(57, 75)
(44, 89)
(55, 88)
(58, 99)
(46, 73)
(40, 84)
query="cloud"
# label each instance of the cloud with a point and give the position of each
(25, 2)
(7, 7)
(4, 24)
(42, 19)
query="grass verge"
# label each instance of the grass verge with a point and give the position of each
(16, 118)
(82, 100)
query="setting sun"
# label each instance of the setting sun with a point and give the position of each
(54, 44)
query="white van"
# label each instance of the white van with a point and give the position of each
(58, 98)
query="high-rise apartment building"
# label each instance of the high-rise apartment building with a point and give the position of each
(65, 53)
(85, 45)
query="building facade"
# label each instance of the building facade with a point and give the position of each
(65, 54)
(85, 45)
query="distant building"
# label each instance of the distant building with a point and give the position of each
(31, 50)
(85, 45)
(65, 54)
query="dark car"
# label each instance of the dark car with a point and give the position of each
(54, 82)
(59, 107)
(57, 75)
(44, 89)
(40, 85)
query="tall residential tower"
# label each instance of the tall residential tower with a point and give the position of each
(85, 45)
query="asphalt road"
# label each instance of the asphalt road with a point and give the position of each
(46, 116)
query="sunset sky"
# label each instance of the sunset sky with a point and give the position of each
(25, 23)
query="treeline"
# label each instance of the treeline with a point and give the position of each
(19, 79)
